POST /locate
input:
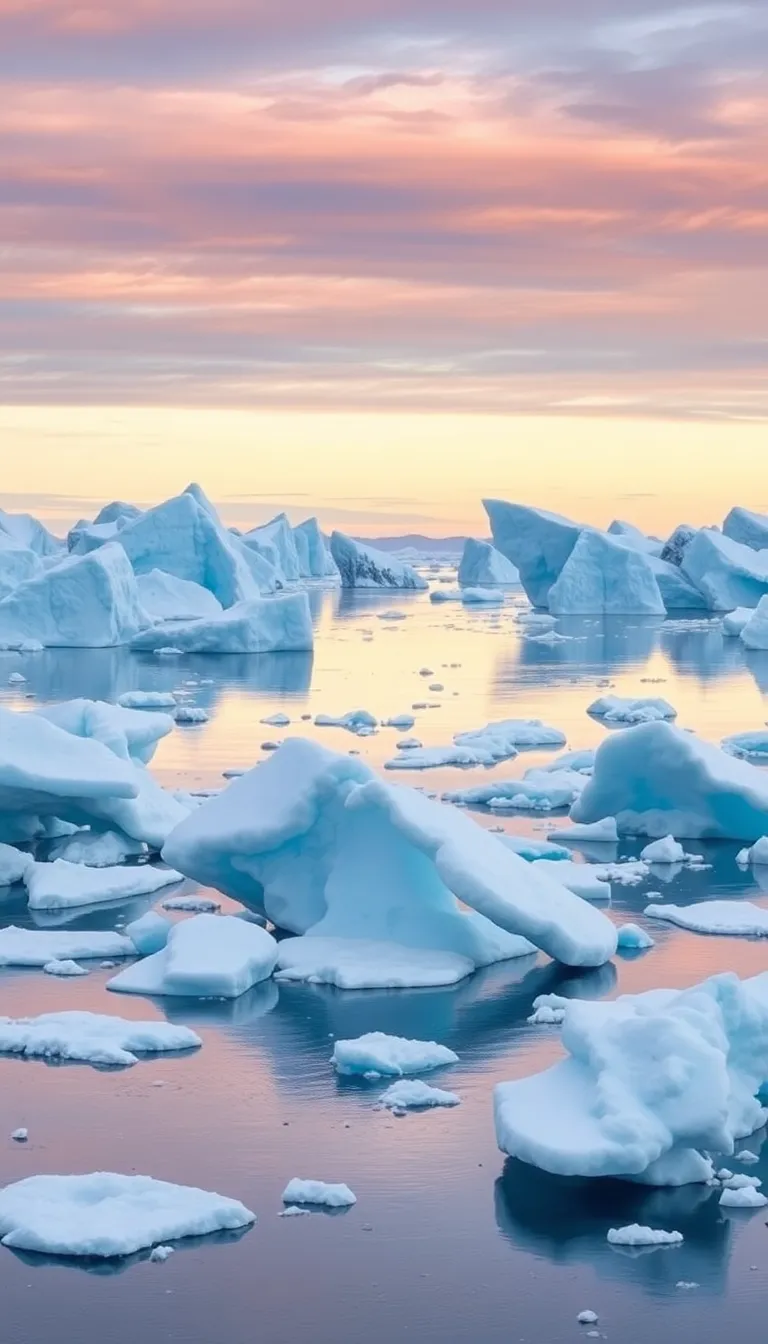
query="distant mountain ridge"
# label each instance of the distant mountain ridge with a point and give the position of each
(416, 542)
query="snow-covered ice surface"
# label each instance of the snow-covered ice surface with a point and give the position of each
(61, 885)
(208, 956)
(91, 1038)
(413, 1094)
(737, 918)
(36, 947)
(105, 1214)
(299, 1191)
(259, 1101)
(634, 1235)
(377, 1055)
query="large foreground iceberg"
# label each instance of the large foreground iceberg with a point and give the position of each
(87, 602)
(105, 1215)
(281, 624)
(658, 780)
(364, 567)
(318, 845)
(652, 1084)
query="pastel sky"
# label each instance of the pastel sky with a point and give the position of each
(377, 258)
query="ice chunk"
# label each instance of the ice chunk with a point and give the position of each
(482, 565)
(651, 1082)
(740, 918)
(159, 1254)
(63, 968)
(148, 700)
(88, 601)
(601, 832)
(263, 625)
(745, 1198)
(635, 1235)
(208, 956)
(165, 597)
(603, 575)
(359, 721)
(17, 565)
(301, 837)
(131, 735)
(185, 538)
(61, 885)
(43, 768)
(757, 853)
(299, 1191)
(539, 790)
(149, 933)
(402, 721)
(14, 865)
(355, 963)
(633, 939)
(754, 635)
(587, 1317)
(445, 595)
(482, 746)
(378, 1055)
(96, 849)
(529, 848)
(745, 745)
(278, 535)
(276, 720)
(726, 572)
(536, 542)
(24, 530)
(412, 1094)
(20, 1135)
(190, 714)
(482, 596)
(35, 947)
(621, 709)
(92, 1038)
(748, 528)
(105, 1215)
(677, 543)
(315, 559)
(363, 566)
(196, 905)
(658, 780)
(665, 850)
(734, 621)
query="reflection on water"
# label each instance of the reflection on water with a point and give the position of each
(457, 1242)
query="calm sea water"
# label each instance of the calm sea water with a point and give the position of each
(448, 1241)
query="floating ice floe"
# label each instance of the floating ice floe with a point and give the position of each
(37, 947)
(412, 1094)
(657, 780)
(482, 566)
(401, 721)
(359, 721)
(61, 885)
(196, 905)
(92, 1038)
(278, 720)
(734, 621)
(377, 1055)
(104, 1214)
(279, 624)
(756, 854)
(208, 956)
(583, 879)
(489, 597)
(539, 790)
(531, 849)
(358, 963)
(364, 567)
(665, 850)
(633, 939)
(165, 597)
(600, 832)
(445, 595)
(482, 746)
(147, 700)
(301, 837)
(741, 919)
(149, 933)
(754, 633)
(635, 1235)
(748, 746)
(64, 968)
(618, 709)
(96, 849)
(747, 1197)
(14, 865)
(131, 735)
(299, 1191)
(651, 1084)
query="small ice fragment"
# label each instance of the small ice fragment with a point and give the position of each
(293, 1211)
(20, 1135)
(635, 1235)
(63, 968)
(299, 1191)
(587, 1317)
(745, 1198)
(160, 1253)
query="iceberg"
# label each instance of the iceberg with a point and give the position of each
(664, 850)
(652, 1082)
(633, 939)
(358, 963)
(42, 767)
(481, 746)
(24, 530)
(658, 780)
(165, 597)
(740, 919)
(278, 535)
(748, 528)
(103, 1215)
(412, 1094)
(728, 573)
(677, 543)
(540, 790)
(281, 624)
(299, 1191)
(128, 733)
(207, 956)
(377, 1055)
(91, 1038)
(14, 865)
(620, 709)
(359, 721)
(604, 575)
(63, 886)
(36, 947)
(632, 536)
(482, 566)
(85, 602)
(635, 1235)
(302, 836)
(536, 542)
(754, 633)
(734, 621)
(757, 853)
(363, 566)
(745, 1197)
(315, 559)
(149, 933)
(475, 597)
(184, 538)
(17, 565)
